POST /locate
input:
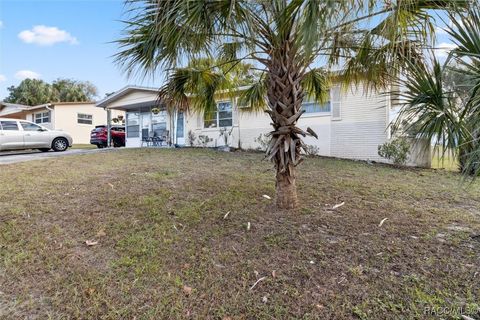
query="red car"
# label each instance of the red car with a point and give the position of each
(98, 136)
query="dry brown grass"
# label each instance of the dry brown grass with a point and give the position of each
(166, 252)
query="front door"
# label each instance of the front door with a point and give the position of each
(133, 139)
(35, 136)
(180, 128)
(11, 137)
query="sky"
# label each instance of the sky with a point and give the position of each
(51, 39)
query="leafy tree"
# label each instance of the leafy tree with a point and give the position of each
(34, 92)
(30, 92)
(68, 90)
(286, 40)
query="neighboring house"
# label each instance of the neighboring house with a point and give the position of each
(351, 125)
(76, 118)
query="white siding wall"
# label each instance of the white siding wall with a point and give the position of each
(361, 127)
(254, 124)
(194, 123)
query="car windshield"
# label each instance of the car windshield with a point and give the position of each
(98, 129)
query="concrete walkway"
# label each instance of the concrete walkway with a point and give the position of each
(8, 157)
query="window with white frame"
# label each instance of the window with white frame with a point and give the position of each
(133, 124)
(311, 106)
(222, 117)
(42, 117)
(336, 103)
(84, 118)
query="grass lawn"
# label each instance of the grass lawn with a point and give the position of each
(445, 161)
(84, 146)
(166, 250)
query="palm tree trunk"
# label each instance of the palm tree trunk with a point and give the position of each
(284, 98)
(286, 190)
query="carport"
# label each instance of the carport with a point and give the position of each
(146, 116)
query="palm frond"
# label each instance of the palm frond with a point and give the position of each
(428, 110)
(255, 96)
(316, 84)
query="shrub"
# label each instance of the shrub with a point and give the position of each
(396, 150)
(311, 150)
(263, 140)
(204, 140)
(191, 137)
(225, 133)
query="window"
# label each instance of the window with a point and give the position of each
(27, 126)
(315, 107)
(9, 125)
(83, 118)
(336, 103)
(159, 124)
(133, 125)
(42, 117)
(222, 117)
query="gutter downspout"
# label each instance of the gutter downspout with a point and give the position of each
(51, 112)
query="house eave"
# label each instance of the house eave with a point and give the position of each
(122, 92)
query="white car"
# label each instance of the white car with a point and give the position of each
(21, 134)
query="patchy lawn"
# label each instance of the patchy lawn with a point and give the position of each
(166, 250)
(84, 146)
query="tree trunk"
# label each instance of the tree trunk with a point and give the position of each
(286, 191)
(284, 99)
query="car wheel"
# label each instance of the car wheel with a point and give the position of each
(116, 143)
(100, 146)
(44, 149)
(60, 144)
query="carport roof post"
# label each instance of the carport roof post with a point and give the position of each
(109, 127)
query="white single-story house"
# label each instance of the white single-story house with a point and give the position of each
(76, 118)
(351, 125)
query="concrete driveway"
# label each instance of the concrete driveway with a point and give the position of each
(8, 157)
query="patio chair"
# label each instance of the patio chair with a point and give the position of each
(146, 140)
(157, 141)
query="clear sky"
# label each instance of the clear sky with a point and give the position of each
(50, 39)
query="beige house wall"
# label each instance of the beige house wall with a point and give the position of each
(66, 116)
(50, 125)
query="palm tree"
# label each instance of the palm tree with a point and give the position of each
(196, 85)
(73, 90)
(286, 40)
(442, 110)
(34, 92)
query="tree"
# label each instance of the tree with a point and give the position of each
(441, 103)
(195, 85)
(68, 90)
(285, 39)
(30, 92)
(34, 92)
